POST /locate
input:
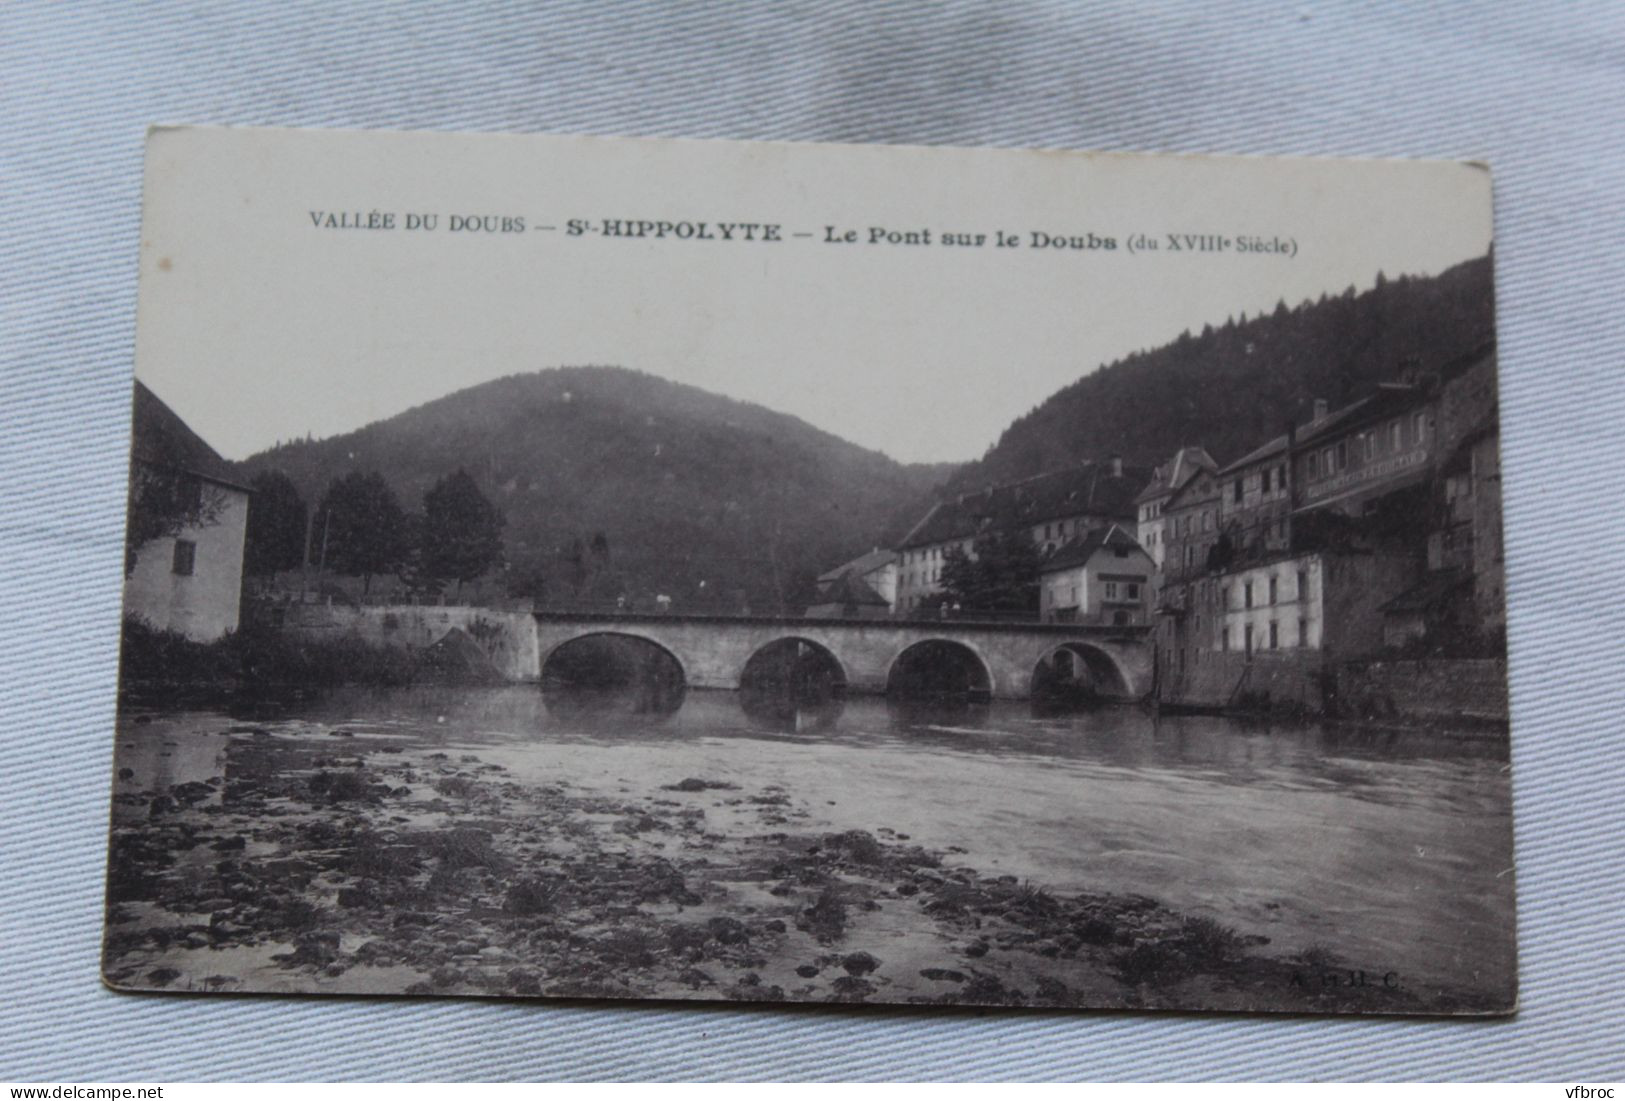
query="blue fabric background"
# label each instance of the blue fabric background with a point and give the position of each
(1537, 90)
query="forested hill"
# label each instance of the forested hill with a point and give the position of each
(1234, 386)
(684, 486)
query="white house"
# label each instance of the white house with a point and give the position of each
(188, 578)
(1103, 577)
(877, 570)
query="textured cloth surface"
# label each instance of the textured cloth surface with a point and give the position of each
(1537, 90)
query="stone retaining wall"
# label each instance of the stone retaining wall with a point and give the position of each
(1449, 689)
(507, 638)
(1225, 679)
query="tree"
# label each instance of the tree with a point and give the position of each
(1000, 575)
(362, 527)
(528, 580)
(164, 503)
(275, 539)
(412, 571)
(462, 530)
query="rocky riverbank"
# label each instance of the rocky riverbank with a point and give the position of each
(300, 857)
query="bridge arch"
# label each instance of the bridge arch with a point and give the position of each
(933, 666)
(644, 671)
(1101, 672)
(794, 663)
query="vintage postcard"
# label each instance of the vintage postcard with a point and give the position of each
(611, 568)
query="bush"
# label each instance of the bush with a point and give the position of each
(168, 658)
(257, 658)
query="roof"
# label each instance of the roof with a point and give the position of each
(848, 588)
(1311, 431)
(1174, 473)
(1077, 552)
(1428, 593)
(1087, 489)
(158, 437)
(862, 565)
(1387, 398)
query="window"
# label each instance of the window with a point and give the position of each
(1111, 590)
(1224, 597)
(1326, 466)
(1418, 426)
(1342, 454)
(1303, 584)
(1224, 639)
(185, 557)
(1238, 491)
(1272, 590)
(1395, 440)
(1133, 591)
(1310, 463)
(1303, 631)
(1275, 637)
(1247, 596)
(1247, 640)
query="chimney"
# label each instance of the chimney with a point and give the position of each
(1320, 411)
(1117, 466)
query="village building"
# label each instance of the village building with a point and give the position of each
(1462, 598)
(877, 569)
(1255, 498)
(1368, 527)
(1190, 530)
(1052, 508)
(188, 578)
(1152, 502)
(864, 588)
(1269, 631)
(1103, 577)
(848, 597)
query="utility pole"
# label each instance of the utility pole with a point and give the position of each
(327, 524)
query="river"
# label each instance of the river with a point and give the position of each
(1379, 853)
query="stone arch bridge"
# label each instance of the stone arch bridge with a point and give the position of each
(713, 650)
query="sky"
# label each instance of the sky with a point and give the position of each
(282, 292)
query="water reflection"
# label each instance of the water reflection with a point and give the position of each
(775, 710)
(1117, 735)
(611, 676)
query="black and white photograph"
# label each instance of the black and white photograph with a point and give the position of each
(615, 568)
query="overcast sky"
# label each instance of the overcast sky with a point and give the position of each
(260, 321)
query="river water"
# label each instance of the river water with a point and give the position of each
(1389, 850)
